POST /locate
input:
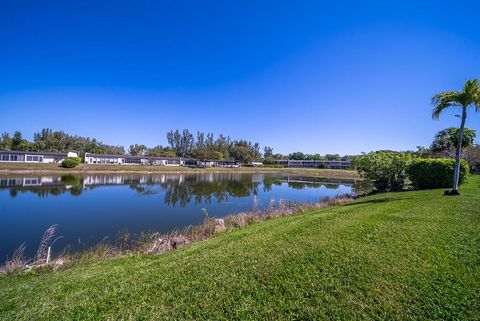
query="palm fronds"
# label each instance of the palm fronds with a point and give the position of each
(469, 95)
(444, 100)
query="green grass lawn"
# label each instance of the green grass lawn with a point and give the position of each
(404, 256)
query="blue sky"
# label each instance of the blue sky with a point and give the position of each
(329, 77)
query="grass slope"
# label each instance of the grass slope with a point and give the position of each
(411, 255)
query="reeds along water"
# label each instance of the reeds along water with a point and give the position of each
(157, 243)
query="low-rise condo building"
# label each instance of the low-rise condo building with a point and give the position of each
(109, 159)
(314, 163)
(131, 160)
(210, 163)
(31, 157)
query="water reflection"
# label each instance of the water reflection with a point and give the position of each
(179, 189)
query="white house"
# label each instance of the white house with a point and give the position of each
(31, 157)
(131, 160)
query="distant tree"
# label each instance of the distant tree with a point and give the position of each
(43, 140)
(169, 153)
(200, 143)
(468, 96)
(222, 144)
(17, 140)
(472, 155)
(182, 143)
(348, 157)
(206, 154)
(269, 161)
(333, 157)
(137, 149)
(267, 152)
(242, 153)
(115, 150)
(256, 151)
(447, 139)
(59, 141)
(314, 156)
(18, 143)
(212, 144)
(297, 156)
(160, 151)
(215, 155)
(174, 139)
(5, 142)
(187, 142)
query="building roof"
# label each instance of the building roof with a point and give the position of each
(105, 155)
(31, 153)
(314, 161)
(159, 158)
(130, 156)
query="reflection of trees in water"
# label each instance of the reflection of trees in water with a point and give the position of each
(362, 186)
(205, 191)
(302, 185)
(202, 188)
(180, 189)
(269, 181)
(301, 182)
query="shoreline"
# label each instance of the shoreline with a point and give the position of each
(44, 169)
(157, 243)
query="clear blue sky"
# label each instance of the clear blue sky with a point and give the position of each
(328, 77)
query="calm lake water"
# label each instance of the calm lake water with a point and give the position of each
(91, 208)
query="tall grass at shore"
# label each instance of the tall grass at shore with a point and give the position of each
(156, 243)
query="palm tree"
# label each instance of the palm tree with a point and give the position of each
(469, 95)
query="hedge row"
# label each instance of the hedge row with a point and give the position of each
(389, 170)
(426, 173)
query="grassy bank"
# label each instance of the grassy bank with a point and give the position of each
(410, 255)
(21, 168)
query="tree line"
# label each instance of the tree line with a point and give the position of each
(201, 146)
(180, 144)
(208, 146)
(48, 140)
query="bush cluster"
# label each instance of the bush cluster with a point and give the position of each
(426, 173)
(389, 170)
(71, 162)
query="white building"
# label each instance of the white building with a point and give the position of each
(131, 160)
(31, 157)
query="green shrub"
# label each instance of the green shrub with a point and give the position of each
(269, 161)
(71, 162)
(387, 170)
(429, 173)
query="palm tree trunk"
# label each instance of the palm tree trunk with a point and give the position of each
(458, 154)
